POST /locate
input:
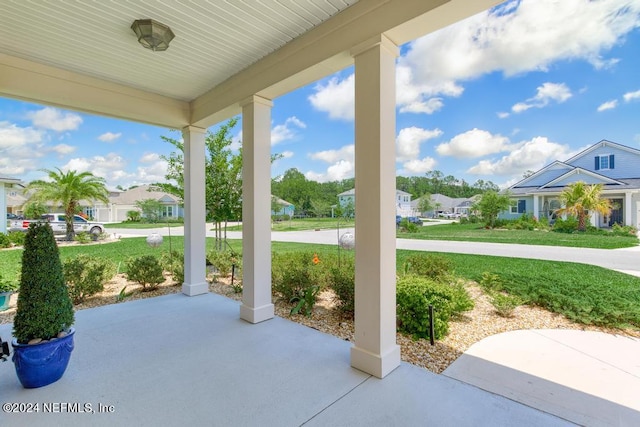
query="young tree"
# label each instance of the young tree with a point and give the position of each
(68, 189)
(491, 203)
(151, 209)
(579, 199)
(425, 204)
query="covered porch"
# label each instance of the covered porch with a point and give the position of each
(230, 59)
(175, 360)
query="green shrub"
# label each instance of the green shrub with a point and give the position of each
(491, 282)
(44, 307)
(306, 301)
(134, 216)
(7, 286)
(407, 227)
(624, 230)
(342, 280)
(17, 237)
(436, 267)
(86, 275)
(293, 273)
(5, 242)
(83, 237)
(413, 297)
(223, 261)
(504, 304)
(145, 270)
(569, 225)
(173, 262)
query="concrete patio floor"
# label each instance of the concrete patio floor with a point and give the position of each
(177, 360)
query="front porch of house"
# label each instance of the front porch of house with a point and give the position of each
(175, 360)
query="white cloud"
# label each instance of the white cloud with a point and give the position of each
(111, 167)
(332, 156)
(19, 147)
(287, 154)
(336, 97)
(418, 166)
(527, 155)
(63, 149)
(609, 105)
(286, 130)
(517, 37)
(474, 143)
(54, 119)
(630, 96)
(150, 158)
(409, 140)
(109, 136)
(13, 136)
(340, 170)
(503, 115)
(558, 92)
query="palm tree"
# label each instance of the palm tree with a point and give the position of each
(579, 199)
(69, 189)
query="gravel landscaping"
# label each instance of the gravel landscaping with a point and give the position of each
(472, 327)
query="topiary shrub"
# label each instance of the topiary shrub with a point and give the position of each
(414, 294)
(44, 307)
(145, 270)
(86, 275)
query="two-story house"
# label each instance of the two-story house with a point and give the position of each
(615, 166)
(347, 200)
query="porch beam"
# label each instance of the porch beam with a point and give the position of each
(195, 281)
(375, 350)
(256, 210)
(628, 209)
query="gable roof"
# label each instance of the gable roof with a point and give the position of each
(555, 165)
(143, 192)
(603, 143)
(581, 171)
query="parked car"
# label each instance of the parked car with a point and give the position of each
(58, 224)
(13, 216)
(411, 219)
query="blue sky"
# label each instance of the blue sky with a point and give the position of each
(506, 91)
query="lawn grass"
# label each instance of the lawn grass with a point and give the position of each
(583, 293)
(143, 225)
(300, 224)
(476, 233)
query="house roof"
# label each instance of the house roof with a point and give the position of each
(143, 192)
(580, 171)
(603, 143)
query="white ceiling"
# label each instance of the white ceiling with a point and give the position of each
(214, 40)
(83, 55)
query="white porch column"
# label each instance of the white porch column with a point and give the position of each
(375, 350)
(256, 210)
(3, 208)
(536, 206)
(628, 209)
(195, 276)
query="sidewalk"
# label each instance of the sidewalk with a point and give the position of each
(589, 378)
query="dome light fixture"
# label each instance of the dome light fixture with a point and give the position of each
(152, 34)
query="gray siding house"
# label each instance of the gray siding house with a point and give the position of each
(615, 166)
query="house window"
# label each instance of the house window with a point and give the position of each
(518, 206)
(167, 211)
(604, 162)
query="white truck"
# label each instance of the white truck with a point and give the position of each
(58, 224)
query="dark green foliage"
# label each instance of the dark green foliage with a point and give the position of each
(7, 285)
(569, 225)
(86, 275)
(306, 301)
(145, 270)
(407, 227)
(173, 262)
(342, 280)
(44, 306)
(424, 264)
(624, 230)
(414, 294)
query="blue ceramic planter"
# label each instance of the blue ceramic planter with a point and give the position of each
(4, 300)
(41, 364)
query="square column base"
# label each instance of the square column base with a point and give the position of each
(373, 364)
(258, 314)
(194, 289)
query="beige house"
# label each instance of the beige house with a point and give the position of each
(121, 202)
(236, 58)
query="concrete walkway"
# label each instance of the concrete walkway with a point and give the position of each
(190, 361)
(589, 378)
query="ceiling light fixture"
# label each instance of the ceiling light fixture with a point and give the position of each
(152, 34)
